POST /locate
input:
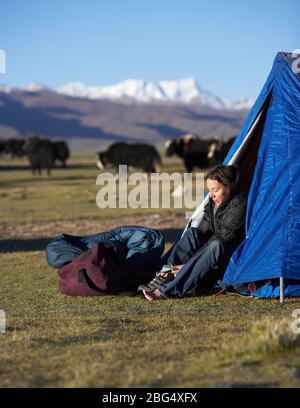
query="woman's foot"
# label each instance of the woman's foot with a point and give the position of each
(160, 279)
(152, 295)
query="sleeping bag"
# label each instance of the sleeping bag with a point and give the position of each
(110, 262)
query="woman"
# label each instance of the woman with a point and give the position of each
(201, 256)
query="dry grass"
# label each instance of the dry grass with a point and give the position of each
(69, 194)
(57, 341)
(112, 341)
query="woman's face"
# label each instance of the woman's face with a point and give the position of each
(217, 192)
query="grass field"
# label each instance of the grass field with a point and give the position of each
(67, 195)
(117, 341)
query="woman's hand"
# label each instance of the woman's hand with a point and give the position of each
(176, 269)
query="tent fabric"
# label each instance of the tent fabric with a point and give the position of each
(272, 245)
(272, 290)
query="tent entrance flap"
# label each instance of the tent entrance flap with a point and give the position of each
(245, 157)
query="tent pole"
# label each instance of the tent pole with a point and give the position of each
(281, 284)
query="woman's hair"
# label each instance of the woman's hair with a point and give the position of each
(226, 175)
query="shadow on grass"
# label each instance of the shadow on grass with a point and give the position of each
(6, 167)
(39, 244)
(24, 245)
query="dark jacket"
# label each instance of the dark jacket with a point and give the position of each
(229, 223)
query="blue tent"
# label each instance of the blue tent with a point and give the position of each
(268, 151)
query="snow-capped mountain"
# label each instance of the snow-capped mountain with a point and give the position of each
(184, 90)
(33, 87)
(138, 90)
(181, 91)
(241, 103)
(5, 88)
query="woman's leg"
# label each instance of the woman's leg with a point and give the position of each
(186, 247)
(197, 269)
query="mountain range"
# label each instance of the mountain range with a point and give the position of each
(185, 90)
(91, 117)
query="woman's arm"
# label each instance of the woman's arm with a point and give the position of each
(206, 224)
(232, 226)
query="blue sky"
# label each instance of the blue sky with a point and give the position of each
(228, 45)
